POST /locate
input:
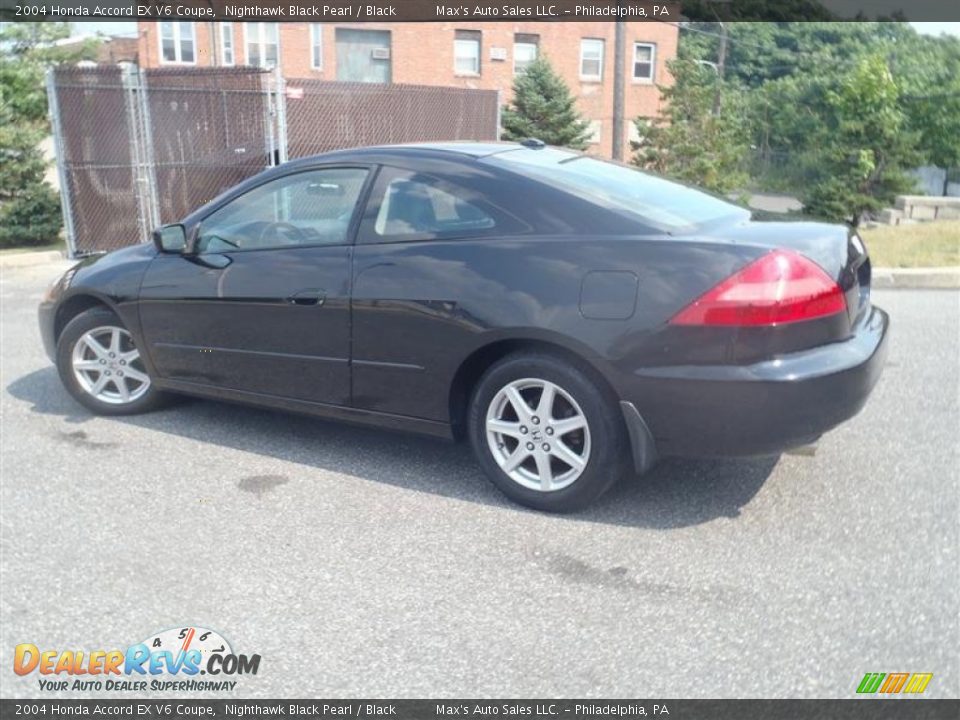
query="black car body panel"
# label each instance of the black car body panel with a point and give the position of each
(394, 332)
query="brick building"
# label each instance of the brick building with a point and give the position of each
(484, 55)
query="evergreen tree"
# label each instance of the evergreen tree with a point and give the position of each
(29, 207)
(691, 142)
(543, 108)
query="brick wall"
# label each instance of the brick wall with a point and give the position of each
(423, 54)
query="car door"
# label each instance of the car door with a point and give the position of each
(423, 268)
(262, 304)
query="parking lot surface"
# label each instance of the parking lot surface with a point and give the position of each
(360, 563)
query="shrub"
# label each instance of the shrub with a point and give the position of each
(31, 218)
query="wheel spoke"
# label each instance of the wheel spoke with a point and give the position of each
(135, 374)
(100, 384)
(115, 341)
(561, 451)
(545, 404)
(91, 342)
(505, 427)
(121, 385)
(515, 459)
(520, 405)
(567, 425)
(88, 365)
(544, 471)
(129, 357)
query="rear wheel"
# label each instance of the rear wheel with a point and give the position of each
(545, 432)
(100, 365)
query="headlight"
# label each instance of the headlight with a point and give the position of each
(59, 285)
(51, 294)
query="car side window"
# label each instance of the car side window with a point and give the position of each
(308, 208)
(414, 206)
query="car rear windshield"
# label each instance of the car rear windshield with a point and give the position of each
(667, 205)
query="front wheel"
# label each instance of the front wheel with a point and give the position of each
(546, 433)
(100, 365)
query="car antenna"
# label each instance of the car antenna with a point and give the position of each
(533, 143)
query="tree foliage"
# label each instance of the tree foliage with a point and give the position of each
(790, 66)
(864, 145)
(833, 112)
(543, 108)
(689, 141)
(29, 207)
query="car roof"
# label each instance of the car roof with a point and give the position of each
(454, 151)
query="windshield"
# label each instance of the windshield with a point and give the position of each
(667, 205)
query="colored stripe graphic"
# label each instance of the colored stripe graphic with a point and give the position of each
(893, 683)
(918, 683)
(871, 682)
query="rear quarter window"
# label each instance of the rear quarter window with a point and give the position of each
(407, 206)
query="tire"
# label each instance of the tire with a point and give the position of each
(84, 361)
(581, 448)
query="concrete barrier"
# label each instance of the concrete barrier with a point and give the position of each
(924, 207)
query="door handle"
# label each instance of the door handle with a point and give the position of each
(307, 297)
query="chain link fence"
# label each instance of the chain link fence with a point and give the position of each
(323, 115)
(139, 148)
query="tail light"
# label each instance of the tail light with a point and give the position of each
(780, 287)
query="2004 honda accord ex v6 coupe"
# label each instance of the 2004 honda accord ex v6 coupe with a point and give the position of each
(574, 319)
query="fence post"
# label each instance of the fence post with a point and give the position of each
(281, 90)
(499, 111)
(269, 124)
(130, 80)
(66, 206)
(147, 150)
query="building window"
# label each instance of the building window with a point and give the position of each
(226, 44)
(466, 52)
(525, 49)
(316, 46)
(591, 59)
(177, 43)
(263, 44)
(644, 61)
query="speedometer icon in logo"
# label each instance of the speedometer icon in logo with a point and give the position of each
(184, 639)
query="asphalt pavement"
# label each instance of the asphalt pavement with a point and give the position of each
(361, 563)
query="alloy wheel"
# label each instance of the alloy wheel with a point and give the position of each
(538, 434)
(107, 365)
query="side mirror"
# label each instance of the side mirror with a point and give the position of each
(170, 239)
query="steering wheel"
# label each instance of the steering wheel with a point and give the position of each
(271, 233)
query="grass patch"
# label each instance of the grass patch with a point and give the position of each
(59, 246)
(931, 244)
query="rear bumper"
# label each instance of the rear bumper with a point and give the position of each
(764, 408)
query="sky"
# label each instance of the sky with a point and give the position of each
(130, 28)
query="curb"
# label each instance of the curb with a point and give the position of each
(937, 278)
(27, 259)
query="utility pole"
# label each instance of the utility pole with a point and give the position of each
(721, 63)
(619, 60)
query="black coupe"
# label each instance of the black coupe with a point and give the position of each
(573, 318)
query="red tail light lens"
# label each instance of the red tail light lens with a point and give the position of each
(780, 287)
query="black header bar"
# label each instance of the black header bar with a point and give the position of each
(492, 10)
(164, 709)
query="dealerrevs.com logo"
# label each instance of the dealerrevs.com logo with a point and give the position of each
(173, 659)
